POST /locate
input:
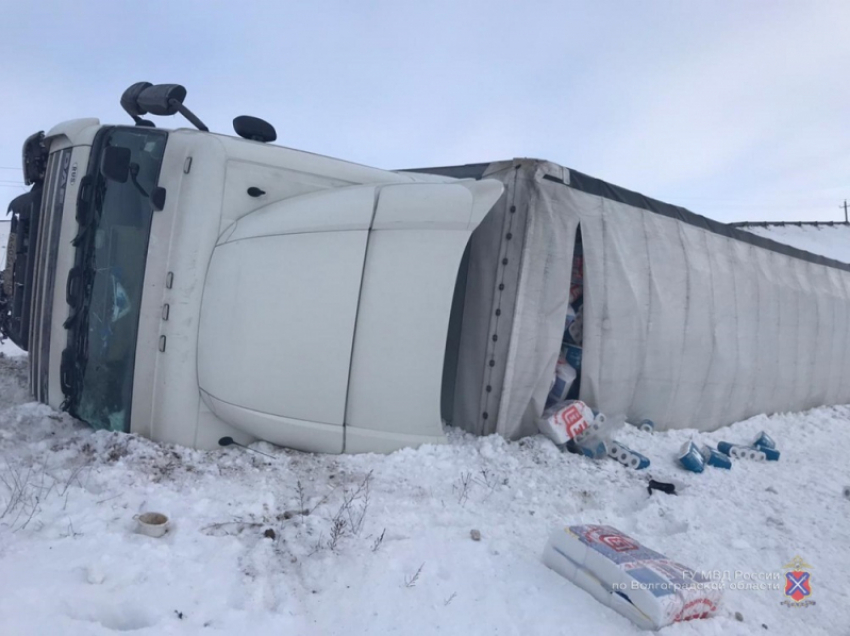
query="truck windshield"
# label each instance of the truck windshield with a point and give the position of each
(106, 290)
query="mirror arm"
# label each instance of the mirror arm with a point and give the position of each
(139, 187)
(146, 123)
(134, 170)
(188, 114)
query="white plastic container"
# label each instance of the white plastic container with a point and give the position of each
(152, 524)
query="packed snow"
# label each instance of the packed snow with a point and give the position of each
(832, 241)
(300, 543)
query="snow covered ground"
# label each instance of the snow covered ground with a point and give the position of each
(385, 546)
(832, 241)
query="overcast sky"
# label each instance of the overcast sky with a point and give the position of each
(736, 109)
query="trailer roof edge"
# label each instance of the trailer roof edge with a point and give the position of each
(591, 185)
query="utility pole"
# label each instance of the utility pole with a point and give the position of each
(845, 210)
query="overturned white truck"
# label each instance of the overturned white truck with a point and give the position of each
(189, 286)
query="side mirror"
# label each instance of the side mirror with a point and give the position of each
(161, 99)
(115, 163)
(254, 128)
(130, 98)
(158, 198)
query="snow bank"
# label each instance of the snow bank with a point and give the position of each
(385, 544)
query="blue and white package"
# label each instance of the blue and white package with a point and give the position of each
(571, 316)
(626, 456)
(736, 451)
(576, 329)
(593, 451)
(565, 375)
(715, 458)
(593, 441)
(766, 445)
(572, 355)
(770, 454)
(691, 459)
(641, 584)
(763, 440)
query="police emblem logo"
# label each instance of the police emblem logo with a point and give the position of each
(798, 583)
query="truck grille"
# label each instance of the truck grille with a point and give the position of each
(47, 247)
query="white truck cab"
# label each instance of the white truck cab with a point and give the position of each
(190, 286)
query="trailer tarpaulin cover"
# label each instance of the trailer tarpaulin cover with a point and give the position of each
(687, 321)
